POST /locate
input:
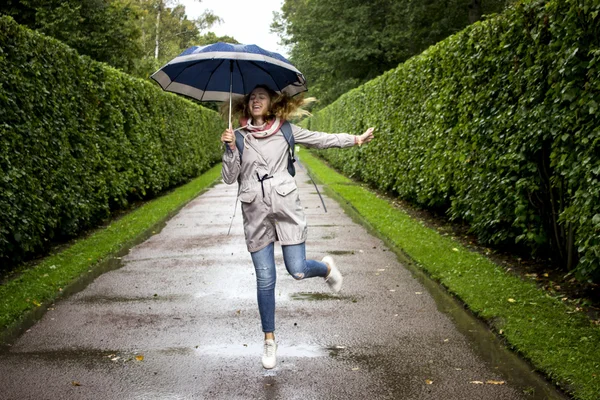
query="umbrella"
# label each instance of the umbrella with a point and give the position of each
(219, 71)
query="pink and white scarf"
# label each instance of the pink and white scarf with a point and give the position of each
(267, 129)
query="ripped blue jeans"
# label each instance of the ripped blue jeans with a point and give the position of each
(294, 257)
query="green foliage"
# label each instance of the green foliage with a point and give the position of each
(339, 44)
(497, 125)
(107, 31)
(136, 36)
(79, 140)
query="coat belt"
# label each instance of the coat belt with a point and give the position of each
(261, 180)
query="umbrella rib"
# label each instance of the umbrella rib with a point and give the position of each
(210, 77)
(237, 62)
(191, 65)
(174, 79)
(267, 72)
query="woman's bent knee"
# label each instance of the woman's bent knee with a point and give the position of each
(298, 276)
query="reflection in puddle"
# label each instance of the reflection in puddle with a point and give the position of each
(157, 396)
(251, 350)
(335, 351)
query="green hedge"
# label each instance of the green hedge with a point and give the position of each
(498, 126)
(79, 139)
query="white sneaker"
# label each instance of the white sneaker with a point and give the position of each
(269, 359)
(335, 278)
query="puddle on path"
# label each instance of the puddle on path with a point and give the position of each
(254, 349)
(101, 299)
(340, 252)
(313, 296)
(316, 296)
(158, 396)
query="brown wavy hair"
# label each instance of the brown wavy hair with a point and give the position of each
(282, 106)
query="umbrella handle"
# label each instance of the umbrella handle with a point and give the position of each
(230, 89)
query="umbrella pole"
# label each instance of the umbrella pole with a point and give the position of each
(230, 89)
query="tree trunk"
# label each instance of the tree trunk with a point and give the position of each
(160, 7)
(474, 11)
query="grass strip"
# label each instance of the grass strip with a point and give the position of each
(44, 282)
(557, 340)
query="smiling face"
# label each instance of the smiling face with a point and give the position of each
(259, 105)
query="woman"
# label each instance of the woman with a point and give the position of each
(270, 204)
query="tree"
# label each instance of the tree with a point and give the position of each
(104, 30)
(167, 31)
(340, 44)
(136, 36)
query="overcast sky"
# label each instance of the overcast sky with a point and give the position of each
(247, 21)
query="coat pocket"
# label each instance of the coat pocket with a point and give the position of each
(247, 197)
(286, 188)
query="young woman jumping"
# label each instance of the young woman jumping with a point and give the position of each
(271, 206)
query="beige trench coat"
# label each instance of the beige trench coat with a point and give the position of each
(272, 209)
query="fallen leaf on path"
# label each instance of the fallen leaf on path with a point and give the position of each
(446, 340)
(75, 383)
(490, 382)
(476, 382)
(139, 358)
(355, 369)
(428, 381)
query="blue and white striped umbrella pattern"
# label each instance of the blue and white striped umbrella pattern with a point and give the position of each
(205, 73)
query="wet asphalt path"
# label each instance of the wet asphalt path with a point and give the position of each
(179, 320)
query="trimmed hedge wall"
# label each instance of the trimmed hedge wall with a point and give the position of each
(498, 125)
(79, 139)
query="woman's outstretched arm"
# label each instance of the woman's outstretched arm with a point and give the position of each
(322, 140)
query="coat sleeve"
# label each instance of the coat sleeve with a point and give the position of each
(322, 140)
(231, 165)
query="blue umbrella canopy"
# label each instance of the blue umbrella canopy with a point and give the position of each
(220, 70)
